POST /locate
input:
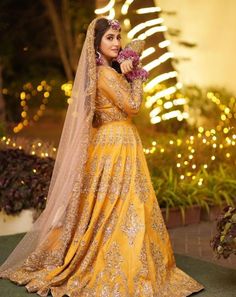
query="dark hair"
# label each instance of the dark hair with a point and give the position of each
(101, 27)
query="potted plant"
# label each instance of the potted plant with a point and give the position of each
(224, 242)
(218, 192)
(177, 202)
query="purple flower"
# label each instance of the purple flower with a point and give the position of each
(128, 54)
(115, 25)
(138, 73)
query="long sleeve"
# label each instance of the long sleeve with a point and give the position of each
(127, 96)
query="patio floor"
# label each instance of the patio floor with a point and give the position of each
(194, 241)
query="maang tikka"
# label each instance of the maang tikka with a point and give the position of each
(115, 25)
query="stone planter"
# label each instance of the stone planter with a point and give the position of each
(214, 212)
(192, 216)
(12, 224)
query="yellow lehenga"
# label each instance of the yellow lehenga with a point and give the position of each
(121, 246)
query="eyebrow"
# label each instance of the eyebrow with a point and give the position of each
(110, 34)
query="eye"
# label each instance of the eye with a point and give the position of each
(119, 37)
(109, 37)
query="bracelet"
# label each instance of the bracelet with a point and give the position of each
(128, 54)
(138, 73)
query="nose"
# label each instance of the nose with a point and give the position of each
(116, 42)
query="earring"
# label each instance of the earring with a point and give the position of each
(99, 59)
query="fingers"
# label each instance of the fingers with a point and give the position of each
(126, 66)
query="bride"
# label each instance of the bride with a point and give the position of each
(102, 232)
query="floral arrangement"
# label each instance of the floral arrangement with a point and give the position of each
(128, 54)
(137, 73)
(115, 24)
(224, 242)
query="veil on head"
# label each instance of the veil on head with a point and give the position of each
(66, 181)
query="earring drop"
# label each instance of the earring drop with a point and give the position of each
(99, 60)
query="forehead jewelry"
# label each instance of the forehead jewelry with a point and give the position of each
(115, 25)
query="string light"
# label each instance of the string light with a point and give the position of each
(112, 14)
(144, 25)
(164, 43)
(28, 91)
(171, 90)
(35, 148)
(148, 10)
(127, 24)
(147, 52)
(106, 8)
(163, 58)
(158, 79)
(125, 6)
(152, 31)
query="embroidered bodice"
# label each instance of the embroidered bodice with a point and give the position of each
(116, 99)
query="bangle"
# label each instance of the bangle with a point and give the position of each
(138, 73)
(128, 54)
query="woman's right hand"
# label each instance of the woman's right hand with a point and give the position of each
(126, 66)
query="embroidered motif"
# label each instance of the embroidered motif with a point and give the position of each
(110, 225)
(158, 259)
(126, 96)
(131, 224)
(112, 281)
(142, 282)
(158, 223)
(142, 185)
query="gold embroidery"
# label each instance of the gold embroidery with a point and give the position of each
(112, 281)
(142, 184)
(126, 179)
(127, 96)
(96, 178)
(110, 225)
(106, 111)
(158, 223)
(116, 180)
(142, 281)
(116, 134)
(131, 224)
(158, 259)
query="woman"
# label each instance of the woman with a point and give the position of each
(102, 232)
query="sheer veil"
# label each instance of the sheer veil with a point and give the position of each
(65, 185)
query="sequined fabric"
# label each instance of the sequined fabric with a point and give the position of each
(120, 245)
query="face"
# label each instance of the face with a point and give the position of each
(110, 44)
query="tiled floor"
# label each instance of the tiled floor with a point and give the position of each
(194, 241)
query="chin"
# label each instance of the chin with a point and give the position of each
(114, 55)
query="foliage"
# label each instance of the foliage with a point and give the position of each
(56, 100)
(172, 149)
(219, 188)
(224, 242)
(24, 180)
(206, 106)
(215, 185)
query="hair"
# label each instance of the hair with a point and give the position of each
(101, 28)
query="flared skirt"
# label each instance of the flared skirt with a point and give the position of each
(121, 247)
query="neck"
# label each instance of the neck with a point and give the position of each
(106, 61)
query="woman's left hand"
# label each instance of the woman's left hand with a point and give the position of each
(126, 66)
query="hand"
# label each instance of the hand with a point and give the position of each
(126, 66)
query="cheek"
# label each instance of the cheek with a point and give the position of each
(104, 46)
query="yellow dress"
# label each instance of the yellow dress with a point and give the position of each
(121, 247)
